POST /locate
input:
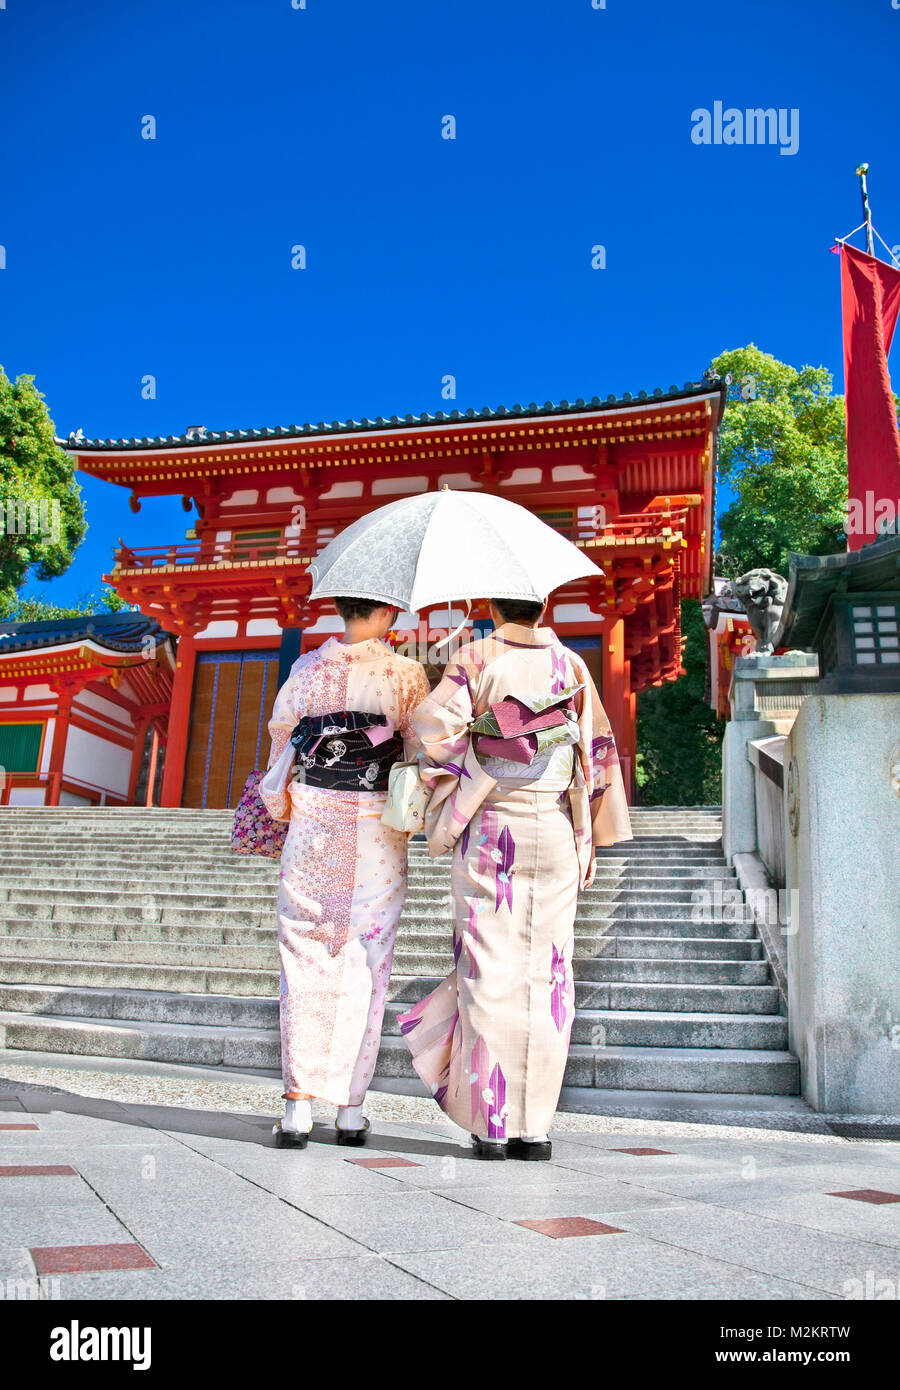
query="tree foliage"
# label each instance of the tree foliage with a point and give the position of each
(42, 520)
(782, 449)
(40, 609)
(678, 734)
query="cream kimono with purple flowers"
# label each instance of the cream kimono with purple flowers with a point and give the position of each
(491, 1040)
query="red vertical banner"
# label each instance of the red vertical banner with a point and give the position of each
(870, 300)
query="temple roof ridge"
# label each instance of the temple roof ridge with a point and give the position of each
(196, 434)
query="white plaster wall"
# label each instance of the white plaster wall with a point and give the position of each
(352, 489)
(571, 473)
(93, 759)
(392, 485)
(457, 480)
(283, 494)
(87, 699)
(48, 745)
(247, 498)
(574, 613)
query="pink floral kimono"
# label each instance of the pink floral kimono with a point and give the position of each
(343, 873)
(491, 1041)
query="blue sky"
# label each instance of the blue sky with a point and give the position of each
(321, 126)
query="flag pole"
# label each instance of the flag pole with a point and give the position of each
(861, 171)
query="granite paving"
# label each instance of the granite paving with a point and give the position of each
(199, 1195)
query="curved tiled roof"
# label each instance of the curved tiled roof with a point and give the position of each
(117, 632)
(200, 435)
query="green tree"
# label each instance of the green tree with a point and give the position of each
(42, 520)
(40, 609)
(679, 735)
(782, 449)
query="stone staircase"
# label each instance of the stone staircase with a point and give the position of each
(134, 933)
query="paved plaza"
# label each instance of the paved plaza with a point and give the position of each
(109, 1194)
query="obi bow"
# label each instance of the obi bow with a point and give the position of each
(519, 727)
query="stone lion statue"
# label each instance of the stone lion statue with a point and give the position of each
(762, 594)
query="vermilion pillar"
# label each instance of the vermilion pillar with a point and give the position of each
(616, 699)
(179, 722)
(58, 747)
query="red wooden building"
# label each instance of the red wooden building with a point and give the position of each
(84, 705)
(630, 479)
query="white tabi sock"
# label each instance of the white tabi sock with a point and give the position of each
(297, 1117)
(350, 1117)
(535, 1138)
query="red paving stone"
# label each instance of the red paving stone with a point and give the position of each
(868, 1194)
(18, 1126)
(641, 1153)
(80, 1259)
(37, 1170)
(383, 1163)
(563, 1227)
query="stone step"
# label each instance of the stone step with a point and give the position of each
(649, 1028)
(263, 957)
(731, 1070)
(201, 1005)
(97, 929)
(237, 865)
(174, 979)
(417, 931)
(31, 877)
(188, 1043)
(590, 974)
(263, 953)
(123, 902)
(609, 903)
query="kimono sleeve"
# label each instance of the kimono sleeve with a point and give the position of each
(281, 726)
(439, 727)
(610, 821)
(415, 690)
(447, 762)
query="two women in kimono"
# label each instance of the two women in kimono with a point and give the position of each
(525, 781)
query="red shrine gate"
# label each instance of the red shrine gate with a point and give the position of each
(631, 480)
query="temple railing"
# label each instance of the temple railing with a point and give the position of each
(52, 784)
(303, 547)
(298, 549)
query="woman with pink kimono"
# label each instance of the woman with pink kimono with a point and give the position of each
(338, 724)
(525, 780)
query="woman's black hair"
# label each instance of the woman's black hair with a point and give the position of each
(358, 607)
(512, 609)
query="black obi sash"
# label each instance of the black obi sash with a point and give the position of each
(333, 750)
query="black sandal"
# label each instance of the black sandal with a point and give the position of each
(290, 1138)
(355, 1137)
(488, 1148)
(537, 1150)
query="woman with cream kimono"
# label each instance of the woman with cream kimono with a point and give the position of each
(526, 781)
(338, 724)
